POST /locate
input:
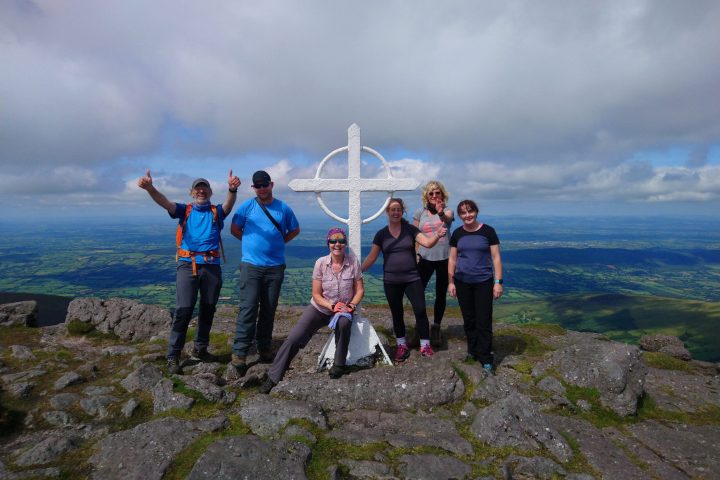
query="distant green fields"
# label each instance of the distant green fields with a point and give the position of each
(625, 318)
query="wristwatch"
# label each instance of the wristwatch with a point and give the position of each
(499, 281)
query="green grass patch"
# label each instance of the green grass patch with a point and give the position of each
(77, 327)
(578, 462)
(327, 451)
(515, 341)
(665, 362)
(648, 410)
(19, 335)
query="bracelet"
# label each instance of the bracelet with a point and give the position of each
(351, 305)
(498, 281)
(232, 191)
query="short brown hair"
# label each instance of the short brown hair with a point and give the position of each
(469, 206)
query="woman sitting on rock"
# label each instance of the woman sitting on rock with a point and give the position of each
(337, 287)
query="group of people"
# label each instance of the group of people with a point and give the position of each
(466, 264)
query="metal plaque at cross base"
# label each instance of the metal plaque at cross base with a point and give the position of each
(364, 341)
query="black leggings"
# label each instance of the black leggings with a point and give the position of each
(416, 294)
(440, 267)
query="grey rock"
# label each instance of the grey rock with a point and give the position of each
(204, 384)
(682, 391)
(46, 450)
(97, 405)
(616, 370)
(680, 353)
(299, 432)
(600, 452)
(584, 405)
(412, 385)
(403, 429)
(267, 415)
(202, 368)
(694, 449)
(23, 376)
(96, 390)
(515, 421)
(129, 407)
(67, 379)
(119, 350)
(367, 469)
(146, 451)
(143, 378)
(653, 463)
(657, 342)
(493, 388)
(63, 401)
(57, 418)
(248, 456)
(432, 467)
(21, 352)
(551, 385)
(19, 314)
(20, 389)
(128, 319)
(534, 467)
(164, 398)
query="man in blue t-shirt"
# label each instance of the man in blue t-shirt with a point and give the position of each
(264, 225)
(198, 270)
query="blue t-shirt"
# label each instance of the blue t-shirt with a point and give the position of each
(262, 244)
(474, 262)
(202, 233)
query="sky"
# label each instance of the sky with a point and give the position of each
(528, 108)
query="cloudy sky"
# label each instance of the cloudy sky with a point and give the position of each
(554, 107)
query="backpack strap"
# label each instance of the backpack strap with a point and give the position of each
(272, 219)
(181, 252)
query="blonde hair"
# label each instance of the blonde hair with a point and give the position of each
(429, 187)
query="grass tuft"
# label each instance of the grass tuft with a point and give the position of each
(665, 362)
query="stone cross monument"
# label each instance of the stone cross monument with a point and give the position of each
(363, 339)
(354, 185)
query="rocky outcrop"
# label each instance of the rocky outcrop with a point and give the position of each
(96, 407)
(127, 319)
(667, 344)
(614, 369)
(19, 313)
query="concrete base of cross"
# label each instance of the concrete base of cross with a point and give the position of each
(364, 342)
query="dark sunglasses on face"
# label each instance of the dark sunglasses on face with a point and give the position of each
(261, 185)
(435, 194)
(333, 241)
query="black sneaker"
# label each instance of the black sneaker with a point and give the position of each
(337, 371)
(435, 339)
(203, 355)
(267, 386)
(173, 366)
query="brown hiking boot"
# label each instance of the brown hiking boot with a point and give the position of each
(239, 363)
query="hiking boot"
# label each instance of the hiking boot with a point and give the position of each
(488, 368)
(239, 363)
(435, 339)
(266, 356)
(267, 386)
(203, 355)
(173, 366)
(402, 352)
(337, 371)
(426, 351)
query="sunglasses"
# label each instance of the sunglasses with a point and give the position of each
(261, 185)
(435, 194)
(333, 241)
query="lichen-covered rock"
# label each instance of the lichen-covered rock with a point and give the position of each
(267, 415)
(614, 369)
(165, 398)
(667, 344)
(142, 378)
(67, 379)
(19, 313)
(46, 450)
(128, 319)
(147, 450)
(515, 421)
(204, 383)
(248, 456)
(432, 467)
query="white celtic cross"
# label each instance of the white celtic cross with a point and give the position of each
(363, 340)
(354, 185)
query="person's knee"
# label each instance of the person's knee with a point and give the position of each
(207, 308)
(182, 318)
(343, 323)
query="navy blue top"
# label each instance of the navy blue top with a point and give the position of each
(474, 262)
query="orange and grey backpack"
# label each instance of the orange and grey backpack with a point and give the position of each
(181, 252)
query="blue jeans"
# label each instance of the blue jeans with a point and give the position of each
(259, 294)
(207, 283)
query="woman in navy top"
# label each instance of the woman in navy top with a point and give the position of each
(401, 276)
(475, 277)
